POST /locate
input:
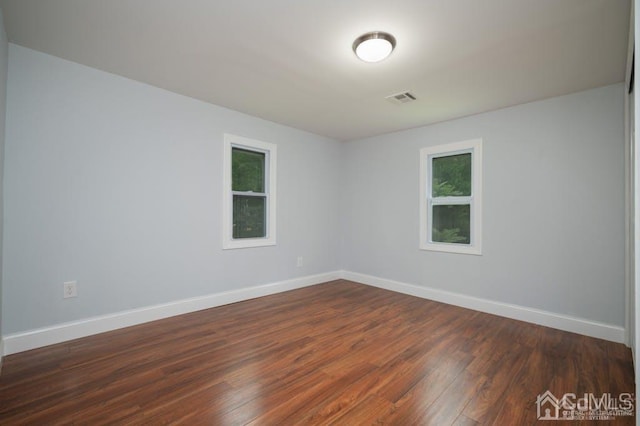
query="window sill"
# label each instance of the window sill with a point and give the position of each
(248, 243)
(452, 248)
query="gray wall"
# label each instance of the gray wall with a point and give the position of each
(118, 185)
(4, 47)
(553, 234)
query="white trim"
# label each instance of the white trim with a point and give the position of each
(629, 192)
(536, 316)
(271, 161)
(474, 146)
(32, 339)
(1, 353)
(635, 207)
(23, 341)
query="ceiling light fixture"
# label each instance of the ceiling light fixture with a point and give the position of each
(374, 46)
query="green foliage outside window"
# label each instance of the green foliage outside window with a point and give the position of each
(451, 224)
(451, 177)
(249, 217)
(249, 211)
(247, 170)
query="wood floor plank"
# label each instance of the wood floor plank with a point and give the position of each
(335, 353)
(367, 412)
(489, 397)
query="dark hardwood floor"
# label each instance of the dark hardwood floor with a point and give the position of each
(335, 353)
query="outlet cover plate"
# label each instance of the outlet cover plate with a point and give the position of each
(70, 289)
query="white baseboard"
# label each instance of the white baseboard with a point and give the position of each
(549, 319)
(19, 342)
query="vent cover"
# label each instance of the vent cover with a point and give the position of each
(401, 98)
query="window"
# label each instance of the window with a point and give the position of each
(451, 197)
(249, 205)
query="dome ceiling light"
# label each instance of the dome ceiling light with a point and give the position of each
(374, 46)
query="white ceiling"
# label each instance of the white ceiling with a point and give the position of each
(290, 61)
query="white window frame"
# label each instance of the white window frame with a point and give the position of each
(473, 146)
(271, 151)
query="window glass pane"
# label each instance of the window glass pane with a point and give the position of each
(247, 170)
(451, 224)
(451, 176)
(249, 216)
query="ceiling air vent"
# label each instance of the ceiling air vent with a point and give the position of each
(401, 98)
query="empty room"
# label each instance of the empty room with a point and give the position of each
(282, 212)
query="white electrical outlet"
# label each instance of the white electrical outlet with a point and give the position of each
(300, 262)
(70, 289)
